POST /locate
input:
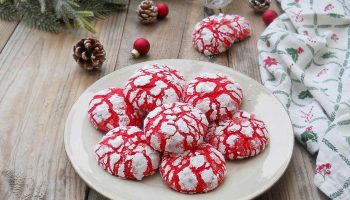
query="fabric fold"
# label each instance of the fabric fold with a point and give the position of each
(304, 60)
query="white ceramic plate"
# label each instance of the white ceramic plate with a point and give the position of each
(245, 178)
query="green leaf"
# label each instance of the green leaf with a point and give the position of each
(83, 22)
(304, 94)
(293, 53)
(266, 37)
(294, 4)
(308, 135)
(86, 14)
(347, 139)
(335, 15)
(343, 122)
(346, 160)
(328, 55)
(330, 145)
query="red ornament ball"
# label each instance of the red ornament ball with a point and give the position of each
(269, 16)
(194, 171)
(163, 10)
(141, 47)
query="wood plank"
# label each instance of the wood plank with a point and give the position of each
(164, 35)
(39, 82)
(7, 29)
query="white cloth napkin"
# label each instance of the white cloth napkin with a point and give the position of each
(304, 58)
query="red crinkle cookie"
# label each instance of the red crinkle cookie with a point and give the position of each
(215, 95)
(109, 109)
(175, 127)
(216, 33)
(242, 28)
(154, 85)
(194, 171)
(123, 152)
(241, 137)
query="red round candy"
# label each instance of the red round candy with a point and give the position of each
(154, 85)
(215, 95)
(163, 10)
(142, 46)
(194, 171)
(109, 109)
(269, 16)
(241, 137)
(175, 127)
(123, 152)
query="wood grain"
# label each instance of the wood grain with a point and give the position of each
(7, 29)
(164, 35)
(39, 82)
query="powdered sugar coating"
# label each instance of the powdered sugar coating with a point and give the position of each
(109, 109)
(215, 95)
(241, 137)
(154, 85)
(216, 33)
(241, 26)
(194, 171)
(175, 127)
(123, 152)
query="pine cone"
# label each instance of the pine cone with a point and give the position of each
(260, 5)
(147, 12)
(89, 53)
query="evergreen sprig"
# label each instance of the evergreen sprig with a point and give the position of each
(55, 15)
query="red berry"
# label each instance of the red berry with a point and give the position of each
(328, 165)
(141, 47)
(163, 10)
(269, 16)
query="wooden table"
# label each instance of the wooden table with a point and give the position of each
(39, 82)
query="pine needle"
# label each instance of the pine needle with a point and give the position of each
(53, 15)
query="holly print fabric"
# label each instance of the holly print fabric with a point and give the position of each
(304, 60)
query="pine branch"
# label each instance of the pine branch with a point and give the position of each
(45, 21)
(51, 15)
(42, 5)
(8, 11)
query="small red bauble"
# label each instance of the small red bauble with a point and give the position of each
(141, 47)
(269, 16)
(163, 10)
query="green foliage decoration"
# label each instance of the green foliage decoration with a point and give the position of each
(58, 15)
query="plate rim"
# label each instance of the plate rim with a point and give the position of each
(125, 68)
